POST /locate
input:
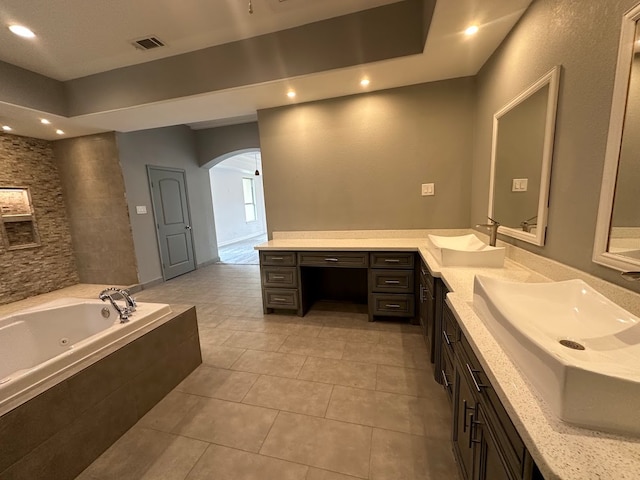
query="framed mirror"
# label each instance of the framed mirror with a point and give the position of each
(617, 242)
(522, 148)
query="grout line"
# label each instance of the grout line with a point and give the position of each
(328, 403)
(270, 428)
(198, 460)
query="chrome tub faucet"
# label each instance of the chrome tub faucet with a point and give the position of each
(123, 311)
(631, 276)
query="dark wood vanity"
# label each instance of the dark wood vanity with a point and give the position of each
(384, 281)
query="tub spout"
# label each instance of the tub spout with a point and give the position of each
(124, 312)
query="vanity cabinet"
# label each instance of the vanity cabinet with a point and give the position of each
(438, 322)
(486, 443)
(426, 306)
(391, 284)
(280, 278)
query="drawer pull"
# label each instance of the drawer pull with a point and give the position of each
(479, 386)
(392, 260)
(392, 305)
(278, 299)
(277, 258)
(446, 337)
(423, 272)
(444, 379)
(331, 259)
(392, 282)
(277, 277)
(473, 424)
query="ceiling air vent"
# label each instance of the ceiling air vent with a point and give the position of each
(147, 43)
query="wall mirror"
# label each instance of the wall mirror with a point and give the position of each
(522, 148)
(617, 242)
(17, 220)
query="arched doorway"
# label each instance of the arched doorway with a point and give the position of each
(238, 206)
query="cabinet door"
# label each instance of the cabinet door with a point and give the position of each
(488, 462)
(464, 410)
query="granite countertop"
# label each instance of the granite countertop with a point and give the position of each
(561, 451)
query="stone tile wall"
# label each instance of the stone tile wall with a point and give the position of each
(28, 162)
(94, 192)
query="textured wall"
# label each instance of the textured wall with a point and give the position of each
(27, 162)
(165, 147)
(95, 198)
(582, 36)
(358, 162)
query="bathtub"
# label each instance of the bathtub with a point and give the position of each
(46, 344)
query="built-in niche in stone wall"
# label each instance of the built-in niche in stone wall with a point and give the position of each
(17, 218)
(25, 272)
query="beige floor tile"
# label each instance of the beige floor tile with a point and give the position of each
(256, 341)
(238, 324)
(316, 347)
(169, 411)
(218, 383)
(219, 356)
(299, 396)
(386, 355)
(227, 423)
(397, 455)
(222, 463)
(408, 340)
(306, 330)
(213, 336)
(147, 454)
(328, 444)
(401, 413)
(270, 363)
(350, 334)
(408, 381)
(339, 372)
(319, 474)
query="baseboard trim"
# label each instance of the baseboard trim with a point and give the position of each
(208, 262)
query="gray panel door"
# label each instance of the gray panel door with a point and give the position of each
(173, 223)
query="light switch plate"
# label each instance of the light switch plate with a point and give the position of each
(519, 184)
(428, 189)
(141, 209)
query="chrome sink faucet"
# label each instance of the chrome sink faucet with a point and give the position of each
(631, 276)
(130, 304)
(493, 227)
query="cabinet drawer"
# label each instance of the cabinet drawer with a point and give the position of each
(511, 445)
(427, 278)
(450, 332)
(278, 258)
(392, 260)
(281, 298)
(286, 277)
(393, 305)
(447, 373)
(391, 281)
(333, 259)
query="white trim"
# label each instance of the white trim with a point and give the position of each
(551, 78)
(614, 142)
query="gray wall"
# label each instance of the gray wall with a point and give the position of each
(94, 194)
(583, 38)
(215, 145)
(28, 162)
(165, 147)
(358, 162)
(28, 89)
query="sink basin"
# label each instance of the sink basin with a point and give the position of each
(465, 251)
(579, 350)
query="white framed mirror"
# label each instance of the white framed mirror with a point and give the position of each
(521, 153)
(617, 241)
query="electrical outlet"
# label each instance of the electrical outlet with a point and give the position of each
(428, 189)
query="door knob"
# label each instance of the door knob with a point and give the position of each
(187, 227)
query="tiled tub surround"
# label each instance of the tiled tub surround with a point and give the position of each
(73, 419)
(561, 451)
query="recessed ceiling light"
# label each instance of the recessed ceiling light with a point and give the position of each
(59, 132)
(6, 128)
(291, 94)
(472, 30)
(365, 82)
(45, 121)
(22, 31)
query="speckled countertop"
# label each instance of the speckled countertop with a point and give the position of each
(561, 451)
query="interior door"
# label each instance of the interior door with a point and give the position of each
(173, 222)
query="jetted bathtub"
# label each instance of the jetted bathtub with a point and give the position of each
(41, 343)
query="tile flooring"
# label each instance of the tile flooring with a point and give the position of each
(326, 397)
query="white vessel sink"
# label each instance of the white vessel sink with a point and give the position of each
(540, 325)
(465, 251)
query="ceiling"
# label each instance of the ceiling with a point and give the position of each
(76, 38)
